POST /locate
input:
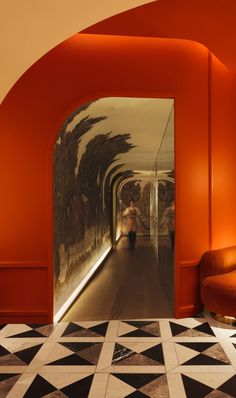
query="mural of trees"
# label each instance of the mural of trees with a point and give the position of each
(82, 199)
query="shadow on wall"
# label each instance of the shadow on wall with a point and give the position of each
(82, 198)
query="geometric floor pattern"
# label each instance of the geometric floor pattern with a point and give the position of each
(163, 358)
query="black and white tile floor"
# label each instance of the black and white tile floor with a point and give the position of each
(187, 358)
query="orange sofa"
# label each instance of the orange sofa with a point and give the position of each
(218, 281)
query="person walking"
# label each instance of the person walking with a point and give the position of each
(132, 213)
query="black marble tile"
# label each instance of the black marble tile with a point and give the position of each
(137, 394)
(195, 389)
(39, 388)
(28, 354)
(155, 353)
(177, 329)
(202, 359)
(137, 333)
(137, 380)
(70, 360)
(200, 347)
(79, 389)
(229, 387)
(121, 352)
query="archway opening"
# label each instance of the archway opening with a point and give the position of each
(100, 141)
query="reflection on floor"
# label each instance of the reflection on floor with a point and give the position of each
(127, 286)
(162, 358)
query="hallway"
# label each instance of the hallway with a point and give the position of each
(127, 286)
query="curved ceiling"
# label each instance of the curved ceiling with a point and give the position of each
(210, 22)
(29, 29)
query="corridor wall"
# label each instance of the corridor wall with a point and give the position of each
(83, 68)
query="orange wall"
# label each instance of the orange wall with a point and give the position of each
(82, 68)
(223, 154)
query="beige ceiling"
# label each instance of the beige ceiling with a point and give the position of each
(30, 28)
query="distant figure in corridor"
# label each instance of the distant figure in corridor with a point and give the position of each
(132, 213)
(169, 220)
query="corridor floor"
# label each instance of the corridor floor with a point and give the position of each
(155, 358)
(127, 286)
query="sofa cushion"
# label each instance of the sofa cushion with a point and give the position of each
(219, 293)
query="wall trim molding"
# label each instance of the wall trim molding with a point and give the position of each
(24, 264)
(189, 263)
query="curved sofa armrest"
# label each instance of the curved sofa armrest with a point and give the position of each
(215, 262)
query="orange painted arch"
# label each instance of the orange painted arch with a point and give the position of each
(83, 68)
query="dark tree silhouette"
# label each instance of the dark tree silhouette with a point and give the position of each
(82, 191)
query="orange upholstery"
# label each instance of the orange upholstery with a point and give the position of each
(218, 280)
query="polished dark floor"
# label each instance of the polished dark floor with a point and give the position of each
(127, 286)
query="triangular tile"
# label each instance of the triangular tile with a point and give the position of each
(138, 333)
(115, 384)
(4, 351)
(136, 380)
(153, 329)
(7, 382)
(155, 353)
(100, 329)
(11, 360)
(28, 354)
(218, 394)
(82, 387)
(199, 347)
(91, 353)
(202, 359)
(177, 329)
(64, 379)
(71, 329)
(125, 328)
(6, 376)
(56, 394)
(234, 335)
(217, 352)
(137, 360)
(137, 394)
(39, 388)
(120, 353)
(28, 333)
(76, 347)
(2, 326)
(229, 387)
(211, 379)
(46, 330)
(71, 360)
(157, 387)
(194, 389)
(205, 329)
(139, 324)
(184, 353)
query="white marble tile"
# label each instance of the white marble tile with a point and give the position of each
(106, 356)
(123, 340)
(68, 369)
(204, 368)
(99, 385)
(40, 358)
(61, 380)
(165, 329)
(117, 388)
(133, 369)
(175, 384)
(170, 356)
(112, 331)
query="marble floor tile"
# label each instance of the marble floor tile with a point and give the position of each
(31, 331)
(201, 353)
(137, 385)
(137, 328)
(7, 381)
(200, 386)
(86, 329)
(112, 331)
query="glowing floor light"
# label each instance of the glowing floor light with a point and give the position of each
(81, 285)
